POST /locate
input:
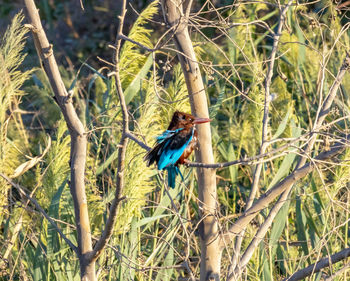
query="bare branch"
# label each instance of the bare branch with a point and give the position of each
(316, 267)
(26, 193)
(264, 145)
(78, 139)
(281, 201)
(108, 231)
(278, 189)
(210, 252)
(122, 36)
(270, 155)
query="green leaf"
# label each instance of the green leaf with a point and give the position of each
(135, 85)
(287, 161)
(150, 220)
(265, 270)
(300, 225)
(283, 170)
(233, 168)
(106, 163)
(278, 226)
(55, 249)
(318, 204)
(166, 274)
(282, 125)
(301, 46)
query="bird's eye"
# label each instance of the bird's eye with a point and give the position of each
(183, 117)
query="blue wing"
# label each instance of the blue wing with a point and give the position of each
(167, 135)
(173, 148)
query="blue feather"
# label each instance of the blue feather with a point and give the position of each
(170, 156)
(173, 171)
(167, 134)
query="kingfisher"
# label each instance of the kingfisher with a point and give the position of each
(175, 145)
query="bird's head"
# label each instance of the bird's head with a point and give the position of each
(185, 120)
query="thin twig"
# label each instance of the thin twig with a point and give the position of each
(325, 108)
(265, 122)
(26, 193)
(139, 142)
(109, 227)
(316, 267)
(126, 38)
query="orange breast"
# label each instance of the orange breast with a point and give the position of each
(188, 150)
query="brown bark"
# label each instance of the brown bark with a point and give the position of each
(210, 255)
(78, 140)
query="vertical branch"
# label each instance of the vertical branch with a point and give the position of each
(78, 140)
(108, 231)
(258, 168)
(210, 255)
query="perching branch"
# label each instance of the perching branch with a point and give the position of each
(316, 267)
(253, 160)
(175, 17)
(108, 231)
(25, 192)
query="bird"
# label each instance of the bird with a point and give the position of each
(175, 145)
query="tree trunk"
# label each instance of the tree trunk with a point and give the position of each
(78, 141)
(211, 254)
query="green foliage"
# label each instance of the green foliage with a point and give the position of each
(12, 78)
(132, 58)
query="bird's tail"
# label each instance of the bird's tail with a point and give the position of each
(173, 171)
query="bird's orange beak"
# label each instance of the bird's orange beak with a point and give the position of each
(201, 120)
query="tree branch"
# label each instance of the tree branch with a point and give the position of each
(316, 267)
(176, 18)
(109, 227)
(325, 107)
(25, 192)
(264, 145)
(135, 139)
(78, 139)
